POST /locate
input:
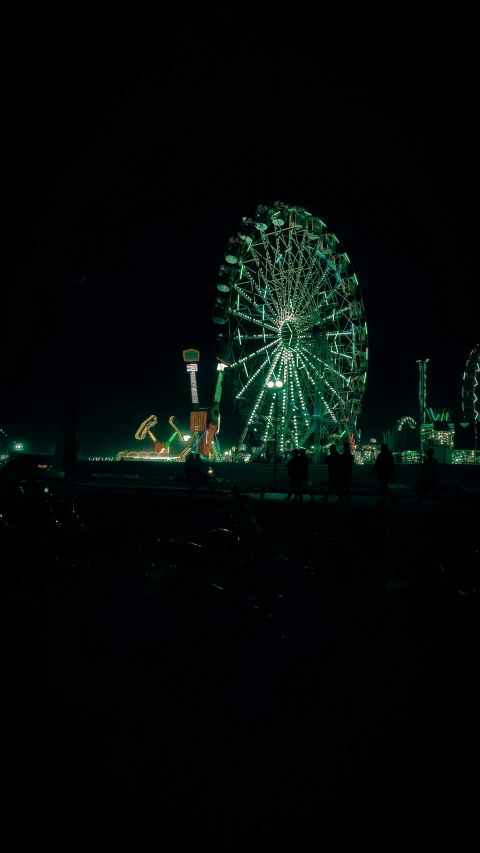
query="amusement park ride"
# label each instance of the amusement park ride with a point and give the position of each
(204, 423)
(160, 446)
(292, 319)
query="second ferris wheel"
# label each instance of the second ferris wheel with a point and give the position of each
(294, 332)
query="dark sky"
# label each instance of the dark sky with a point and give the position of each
(133, 150)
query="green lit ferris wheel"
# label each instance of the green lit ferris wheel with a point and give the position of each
(294, 333)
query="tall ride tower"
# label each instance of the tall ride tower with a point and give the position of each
(422, 398)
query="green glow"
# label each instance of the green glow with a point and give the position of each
(406, 420)
(169, 440)
(284, 287)
(218, 389)
(191, 355)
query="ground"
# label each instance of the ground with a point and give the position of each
(330, 699)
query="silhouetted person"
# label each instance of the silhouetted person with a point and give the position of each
(335, 473)
(190, 469)
(295, 475)
(385, 468)
(347, 463)
(304, 468)
(193, 469)
(429, 478)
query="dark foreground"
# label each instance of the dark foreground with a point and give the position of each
(325, 699)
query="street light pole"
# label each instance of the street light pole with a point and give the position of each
(277, 385)
(275, 446)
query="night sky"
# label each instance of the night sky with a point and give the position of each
(134, 151)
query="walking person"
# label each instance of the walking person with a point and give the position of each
(304, 466)
(385, 468)
(334, 462)
(429, 478)
(295, 475)
(347, 463)
(193, 469)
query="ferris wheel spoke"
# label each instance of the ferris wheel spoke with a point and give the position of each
(272, 294)
(243, 316)
(306, 436)
(264, 289)
(336, 315)
(336, 398)
(300, 394)
(288, 271)
(328, 366)
(341, 401)
(255, 338)
(257, 404)
(252, 379)
(270, 271)
(254, 354)
(323, 293)
(248, 278)
(264, 267)
(271, 299)
(246, 296)
(261, 287)
(306, 364)
(303, 293)
(298, 297)
(274, 364)
(296, 387)
(284, 274)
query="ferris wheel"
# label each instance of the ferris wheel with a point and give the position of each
(470, 386)
(294, 334)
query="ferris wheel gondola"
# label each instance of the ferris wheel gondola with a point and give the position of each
(291, 312)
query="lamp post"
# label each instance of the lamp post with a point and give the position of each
(276, 385)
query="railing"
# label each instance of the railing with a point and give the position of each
(256, 476)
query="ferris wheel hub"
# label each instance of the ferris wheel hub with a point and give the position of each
(289, 334)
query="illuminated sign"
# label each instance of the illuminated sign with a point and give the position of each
(192, 370)
(191, 355)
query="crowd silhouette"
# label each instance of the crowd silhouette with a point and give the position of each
(340, 470)
(339, 473)
(299, 478)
